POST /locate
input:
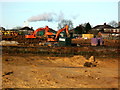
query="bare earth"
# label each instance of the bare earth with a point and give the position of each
(35, 71)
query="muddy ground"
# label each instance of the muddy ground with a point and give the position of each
(60, 69)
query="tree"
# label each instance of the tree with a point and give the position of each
(87, 27)
(65, 22)
(79, 30)
(113, 23)
(83, 24)
(2, 29)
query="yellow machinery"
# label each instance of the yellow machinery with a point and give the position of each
(87, 36)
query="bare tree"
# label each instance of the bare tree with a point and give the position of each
(113, 23)
(65, 22)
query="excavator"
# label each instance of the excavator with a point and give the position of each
(51, 37)
(45, 38)
(34, 38)
(54, 38)
(34, 35)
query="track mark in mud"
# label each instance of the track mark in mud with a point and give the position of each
(7, 73)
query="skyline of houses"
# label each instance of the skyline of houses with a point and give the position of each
(105, 28)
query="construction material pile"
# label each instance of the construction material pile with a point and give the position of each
(75, 61)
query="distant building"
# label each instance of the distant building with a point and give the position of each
(107, 31)
(77, 32)
(104, 28)
(25, 30)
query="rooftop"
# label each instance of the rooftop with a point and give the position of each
(26, 28)
(102, 26)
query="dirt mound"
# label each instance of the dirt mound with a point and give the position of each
(75, 61)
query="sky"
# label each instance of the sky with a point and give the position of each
(119, 11)
(37, 14)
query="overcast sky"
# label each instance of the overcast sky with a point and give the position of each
(50, 12)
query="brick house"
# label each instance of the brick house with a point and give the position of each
(107, 31)
(104, 27)
(25, 30)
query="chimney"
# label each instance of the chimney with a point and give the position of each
(31, 27)
(104, 23)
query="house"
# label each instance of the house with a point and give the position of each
(104, 28)
(25, 30)
(107, 31)
(116, 31)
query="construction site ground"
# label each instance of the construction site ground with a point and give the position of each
(29, 66)
(59, 67)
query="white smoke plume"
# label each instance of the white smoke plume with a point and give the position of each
(50, 17)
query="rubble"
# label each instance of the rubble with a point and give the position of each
(91, 62)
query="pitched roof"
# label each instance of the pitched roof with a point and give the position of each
(26, 28)
(80, 26)
(102, 26)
